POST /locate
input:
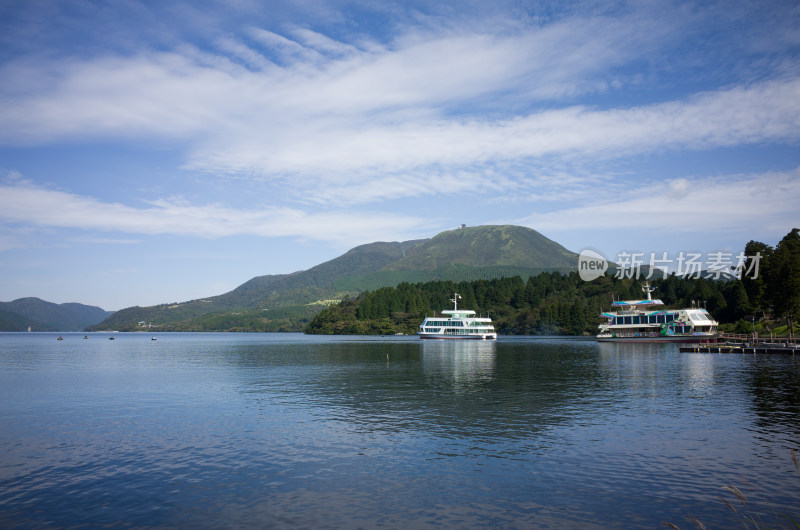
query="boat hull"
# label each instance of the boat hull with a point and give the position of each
(433, 336)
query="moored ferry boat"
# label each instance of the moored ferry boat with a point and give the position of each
(457, 324)
(645, 321)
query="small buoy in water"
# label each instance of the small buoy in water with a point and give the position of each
(387, 357)
(153, 338)
(60, 337)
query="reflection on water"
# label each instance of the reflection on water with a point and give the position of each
(652, 366)
(291, 431)
(467, 363)
(774, 384)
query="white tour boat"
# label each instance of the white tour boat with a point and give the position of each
(457, 324)
(642, 321)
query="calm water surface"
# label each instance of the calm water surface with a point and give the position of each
(294, 431)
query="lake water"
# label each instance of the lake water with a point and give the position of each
(294, 431)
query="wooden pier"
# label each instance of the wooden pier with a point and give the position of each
(743, 347)
(750, 338)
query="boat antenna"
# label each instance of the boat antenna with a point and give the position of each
(455, 301)
(646, 288)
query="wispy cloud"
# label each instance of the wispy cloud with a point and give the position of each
(36, 206)
(352, 122)
(754, 203)
(381, 153)
(767, 201)
(188, 92)
(91, 240)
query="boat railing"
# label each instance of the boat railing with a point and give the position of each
(748, 337)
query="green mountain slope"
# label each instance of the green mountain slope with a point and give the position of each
(41, 315)
(483, 246)
(465, 254)
(263, 293)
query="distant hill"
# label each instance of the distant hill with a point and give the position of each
(47, 316)
(469, 253)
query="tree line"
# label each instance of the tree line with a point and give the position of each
(775, 292)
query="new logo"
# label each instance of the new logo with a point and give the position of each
(591, 265)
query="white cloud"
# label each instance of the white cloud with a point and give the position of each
(743, 204)
(105, 240)
(323, 43)
(288, 50)
(245, 54)
(188, 94)
(360, 160)
(359, 124)
(49, 208)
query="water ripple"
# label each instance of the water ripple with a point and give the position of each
(296, 432)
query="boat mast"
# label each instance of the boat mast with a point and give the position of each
(455, 301)
(646, 288)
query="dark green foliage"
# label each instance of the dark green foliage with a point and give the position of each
(782, 276)
(549, 303)
(775, 291)
(755, 287)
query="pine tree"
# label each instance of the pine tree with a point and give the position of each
(783, 278)
(753, 274)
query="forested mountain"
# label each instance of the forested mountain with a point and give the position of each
(767, 288)
(46, 316)
(286, 302)
(515, 273)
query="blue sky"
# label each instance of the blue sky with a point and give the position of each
(157, 152)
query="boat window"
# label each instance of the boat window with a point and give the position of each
(628, 320)
(670, 317)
